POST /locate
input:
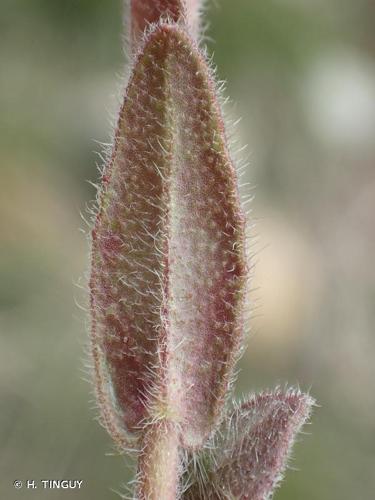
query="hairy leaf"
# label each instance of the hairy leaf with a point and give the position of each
(247, 457)
(168, 260)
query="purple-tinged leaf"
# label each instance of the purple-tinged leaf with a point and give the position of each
(169, 268)
(249, 453)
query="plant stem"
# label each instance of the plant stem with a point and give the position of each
(159, 463)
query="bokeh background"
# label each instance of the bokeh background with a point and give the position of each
(301, 75)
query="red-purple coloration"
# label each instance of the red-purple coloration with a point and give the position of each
(144, 12)
(168, 259)
(168, 281)
(250, 454)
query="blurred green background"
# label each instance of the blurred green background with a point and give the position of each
(302, 76)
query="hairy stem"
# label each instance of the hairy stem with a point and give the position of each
(159, 463)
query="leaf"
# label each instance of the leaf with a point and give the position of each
(248, 455)
(169, 269)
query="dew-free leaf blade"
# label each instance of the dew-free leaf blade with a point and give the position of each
(248, 456)
(168, 262)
